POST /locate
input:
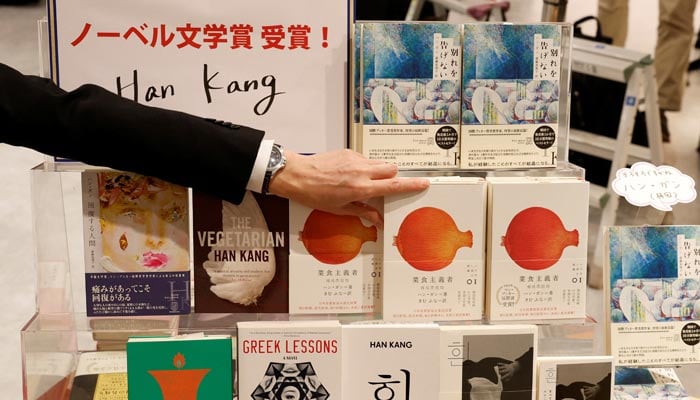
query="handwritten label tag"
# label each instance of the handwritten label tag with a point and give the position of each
(661, 187)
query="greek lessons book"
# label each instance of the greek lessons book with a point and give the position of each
(478, 361)
(434, 250)
(136, 239)
(289, 359)
(390, 360)
(335, 262)
(410, 93)
(537, 248)
(514, 94)
(653, 289)
(240, 254)
(193, 366)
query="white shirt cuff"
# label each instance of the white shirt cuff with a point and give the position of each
(257, 176)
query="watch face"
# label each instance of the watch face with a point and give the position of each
(275, 157)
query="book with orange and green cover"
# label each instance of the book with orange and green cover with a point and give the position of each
(186, 367)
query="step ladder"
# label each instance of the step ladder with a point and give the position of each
(636, 69)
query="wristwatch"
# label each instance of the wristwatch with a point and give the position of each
(276, 163)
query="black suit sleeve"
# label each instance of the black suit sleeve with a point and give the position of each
(95, 126)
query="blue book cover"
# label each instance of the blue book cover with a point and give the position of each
(512, 79)
(410, 76)
(632, 383)
(654, 293)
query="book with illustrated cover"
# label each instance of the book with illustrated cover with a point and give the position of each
(638, 383)
(537, 248)
(390, 360)
(240, 254)
(434, 250)
(410, 93)
(289, 359)
(514, 94)
(100, 375)
(574, 377)
(335, 262)
(136, 237)
(482, 361)
(653, 288)
(193, 366)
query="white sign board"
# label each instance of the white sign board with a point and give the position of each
(275, 66)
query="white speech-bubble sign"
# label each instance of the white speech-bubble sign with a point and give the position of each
(645, 184)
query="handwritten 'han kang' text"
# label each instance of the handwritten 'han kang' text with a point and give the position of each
(211, 83)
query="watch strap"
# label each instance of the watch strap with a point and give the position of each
(266, 182)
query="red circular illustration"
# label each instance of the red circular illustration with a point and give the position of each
(335, 239)
(536, 238)
(428, 239)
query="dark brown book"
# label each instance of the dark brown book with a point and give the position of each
(241, 254)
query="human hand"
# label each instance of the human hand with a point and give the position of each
(508, 371)
(590, 392)
(340, 182)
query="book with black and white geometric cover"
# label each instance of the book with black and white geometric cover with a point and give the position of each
(289, 359)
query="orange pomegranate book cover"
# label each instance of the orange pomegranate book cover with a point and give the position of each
(537, 248)
(240, 254)
(434, 252)
(334, 262)
(186, 367)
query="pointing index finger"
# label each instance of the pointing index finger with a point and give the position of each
(398, 185)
